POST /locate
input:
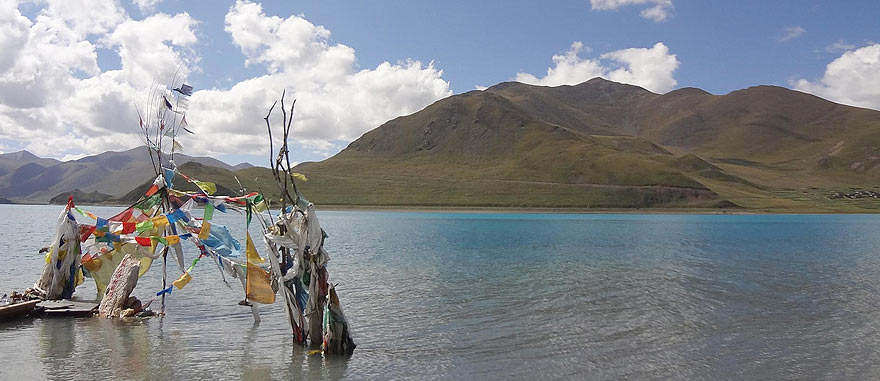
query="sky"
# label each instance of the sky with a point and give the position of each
(74, 73)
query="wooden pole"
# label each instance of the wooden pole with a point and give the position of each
(164, 277)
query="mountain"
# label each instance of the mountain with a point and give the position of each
(25, 177)
(82, 197)
(241, 166)
(483, 149)
(599, 144)
(605, 144)
(10, 161)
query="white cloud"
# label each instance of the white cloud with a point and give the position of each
(151, 48)
(57, 102)
(791, 32)
(54, 97)
(853, 79)
(839, 47)
(651, 68)
(146, 6)
(657, 11)
(336, 101)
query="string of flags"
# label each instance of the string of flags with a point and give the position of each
(148, 229)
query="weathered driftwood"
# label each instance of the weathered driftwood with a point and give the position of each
(122, 283)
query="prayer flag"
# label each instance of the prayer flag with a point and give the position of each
(169, 176)
(143, 226)
(172, 240)
(207, 187)
(259, 285)
(251, 251)
(85, 231)
(165, 291)
(209, 211)
(182, 281)
(155, 187)
(184, 89)
(159, 221)
(206, 230)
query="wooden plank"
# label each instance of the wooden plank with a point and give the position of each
(17, 310)
(55, 308)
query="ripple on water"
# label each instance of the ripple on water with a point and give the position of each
(465, 296)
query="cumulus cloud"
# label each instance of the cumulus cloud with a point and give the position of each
(53, 96)
(56, 101)
(651, 68)
(146, 6)
(336, 101)
(657, 11)
(791, 32)
(852, 79)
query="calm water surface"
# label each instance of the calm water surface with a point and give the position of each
(499, 296)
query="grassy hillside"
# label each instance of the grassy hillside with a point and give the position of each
(598, 144)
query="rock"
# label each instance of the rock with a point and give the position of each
(122, 283)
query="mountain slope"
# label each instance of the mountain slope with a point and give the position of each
(596, 144)
(33, 179)
(754, 147)
(479, 148)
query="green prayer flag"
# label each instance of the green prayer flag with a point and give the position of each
(144, 226)
(209, 211)
(149, 202)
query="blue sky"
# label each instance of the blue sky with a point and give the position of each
(824, 47)
(722, 45)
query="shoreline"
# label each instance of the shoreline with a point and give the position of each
(535, 210)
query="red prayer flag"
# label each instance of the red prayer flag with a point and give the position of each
(143, 241)
(128, 227)
(85, 231)
(153, 189)
(125, 216)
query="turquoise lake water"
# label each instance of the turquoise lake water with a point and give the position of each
(500, 296)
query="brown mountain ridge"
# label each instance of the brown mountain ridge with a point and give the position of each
(606, 144)
(598, 144)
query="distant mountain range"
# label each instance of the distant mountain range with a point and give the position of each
(25, 177)
(599, 144)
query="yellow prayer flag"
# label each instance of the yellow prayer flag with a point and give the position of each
(172, 239)
(251, 251)
(259, 285)
(206, 230)
(207, 187)
(160, 220)
(182, 281)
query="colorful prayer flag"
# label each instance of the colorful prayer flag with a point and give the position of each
(206, 230)
(182, 281)
(172, 240)
(251, 251)
(259, 285)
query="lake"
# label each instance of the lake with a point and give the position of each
(499, 296)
